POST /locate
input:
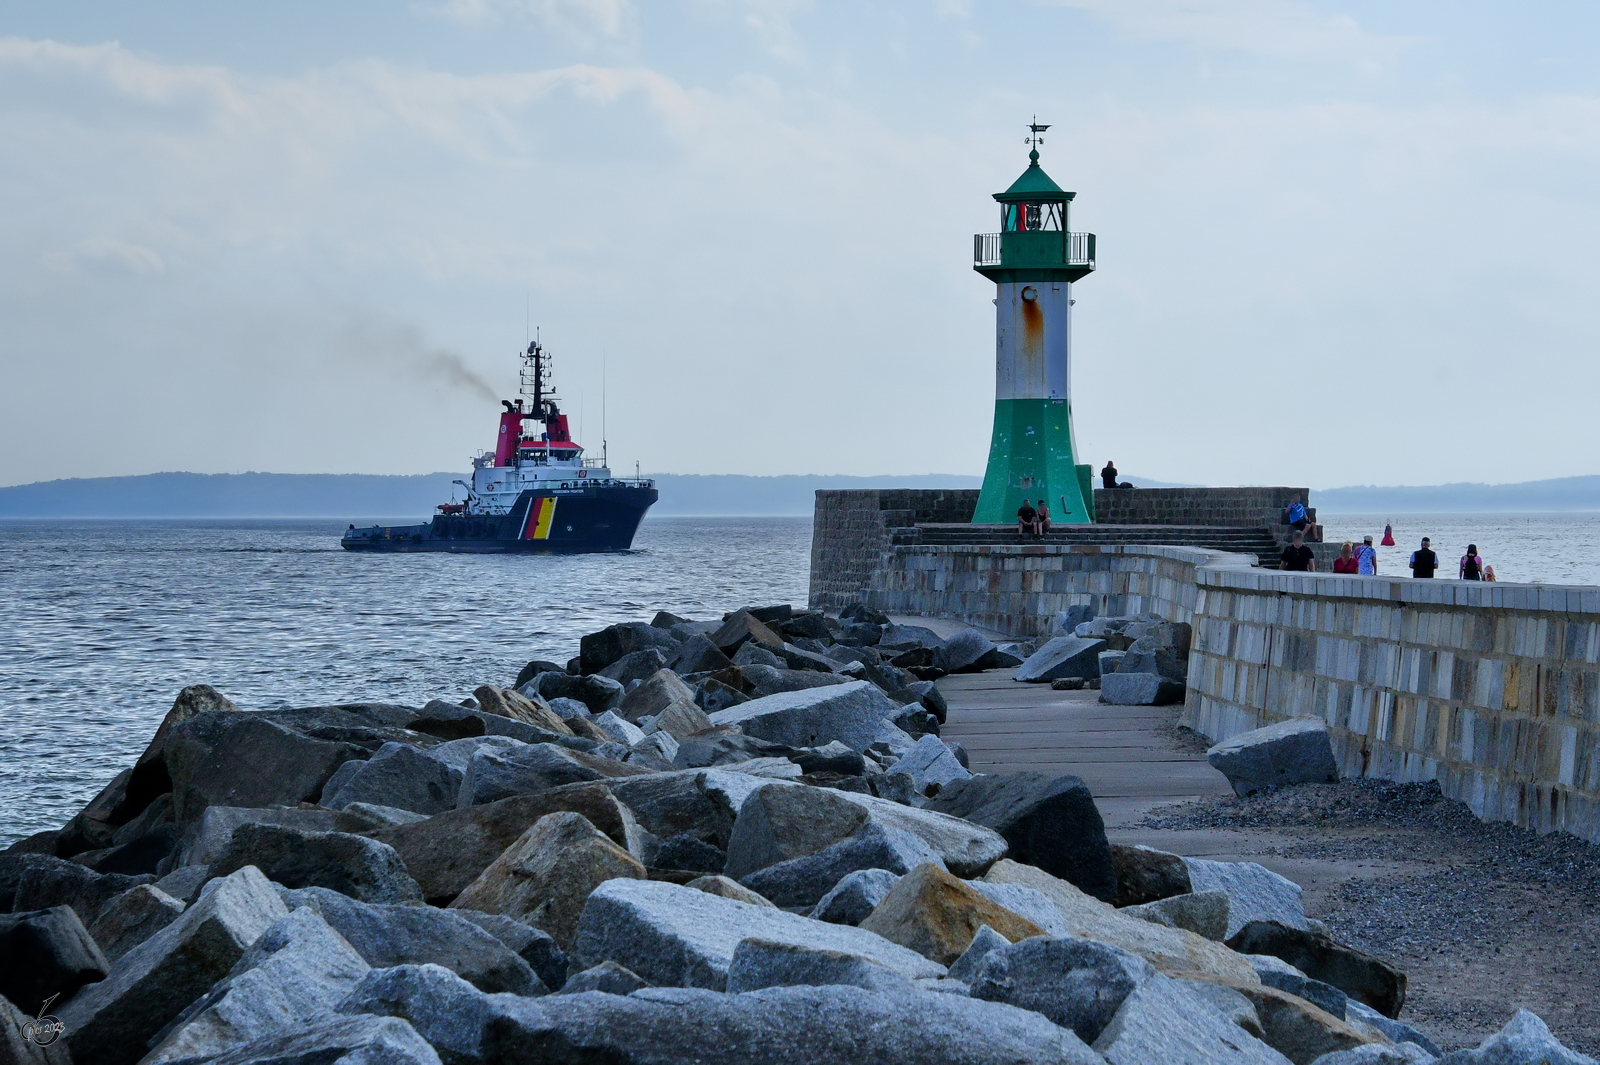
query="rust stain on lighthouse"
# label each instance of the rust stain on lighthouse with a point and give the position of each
(1032, 324)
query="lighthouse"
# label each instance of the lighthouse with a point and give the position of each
(1033, 261)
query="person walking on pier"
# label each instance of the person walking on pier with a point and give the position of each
(1108, 476)
(1367, 558)
(1346, 562)
(1423, 561)
(1297, 556)
(1471, 564)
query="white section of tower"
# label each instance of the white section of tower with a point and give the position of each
(1033, 340)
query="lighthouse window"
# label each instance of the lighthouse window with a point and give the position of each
(1016, 217)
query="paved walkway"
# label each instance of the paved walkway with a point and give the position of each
(1129, 765)
(1119, 751)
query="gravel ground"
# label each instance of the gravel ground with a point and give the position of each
(1483, 917)
(1180, 738)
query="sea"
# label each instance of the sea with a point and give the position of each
(1522, 548)
(101, 623)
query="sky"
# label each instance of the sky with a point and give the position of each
(1338, 243)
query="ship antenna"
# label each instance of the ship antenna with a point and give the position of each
(535, 354)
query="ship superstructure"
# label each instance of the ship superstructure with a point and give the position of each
(535, 492)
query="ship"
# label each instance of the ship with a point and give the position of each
(535, 493)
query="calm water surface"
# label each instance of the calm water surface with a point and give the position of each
(101, 623)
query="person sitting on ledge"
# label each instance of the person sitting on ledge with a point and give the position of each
(1294, 515)
(1297, 556)
(1042, 517)
(1108, 476)
(1027, 519)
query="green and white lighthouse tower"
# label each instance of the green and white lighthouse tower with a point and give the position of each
(1033, 261)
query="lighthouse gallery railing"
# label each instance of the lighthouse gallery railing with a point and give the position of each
(1030, 245)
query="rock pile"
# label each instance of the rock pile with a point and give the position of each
(1137, 660)
(732, 841)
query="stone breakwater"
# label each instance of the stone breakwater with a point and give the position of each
(740, 840)
(1491, 689)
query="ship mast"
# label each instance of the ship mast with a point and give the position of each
(535, 382)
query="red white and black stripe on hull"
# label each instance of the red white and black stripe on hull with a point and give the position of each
(595, 517)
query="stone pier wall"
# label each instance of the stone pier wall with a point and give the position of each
(1491, 689)
(852, 528)
(1017, 589)
(1235, 507)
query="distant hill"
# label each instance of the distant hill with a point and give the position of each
(352, 496)
(727, 493)
(229, 495)
(1559, 494)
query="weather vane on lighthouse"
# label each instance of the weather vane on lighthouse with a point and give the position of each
(1033, 261)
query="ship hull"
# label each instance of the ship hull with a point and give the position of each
(541, 522)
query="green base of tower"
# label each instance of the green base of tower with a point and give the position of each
(1030, 457)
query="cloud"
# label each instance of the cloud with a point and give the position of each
(1279, 29)
(571, 18)
(771, 23)
(615, 195)
(766, 262)
(104, 253)
(100, 82)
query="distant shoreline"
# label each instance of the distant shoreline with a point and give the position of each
(352, 497)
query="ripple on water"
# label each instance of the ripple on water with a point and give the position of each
(102, 622)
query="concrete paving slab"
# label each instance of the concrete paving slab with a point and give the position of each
(1120, 752)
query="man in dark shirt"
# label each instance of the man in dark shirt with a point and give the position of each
(1108, 476)
(1027, 519)
(1297, 556)
(1423, 561)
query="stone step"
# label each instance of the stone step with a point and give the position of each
(1258, 541)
